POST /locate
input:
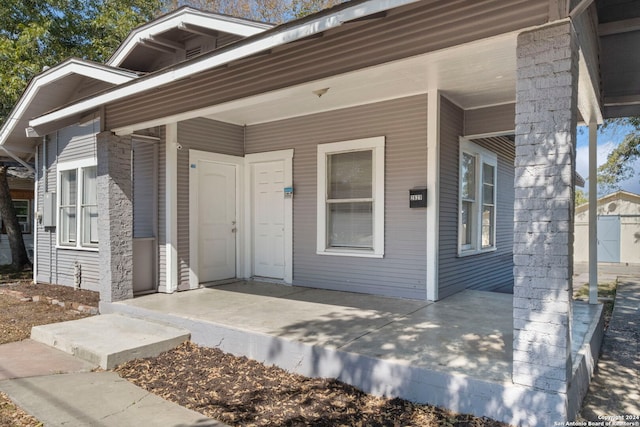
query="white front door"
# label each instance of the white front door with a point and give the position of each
(268, 224)
(216, 221)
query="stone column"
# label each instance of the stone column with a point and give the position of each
(115, 217)
(546, 113)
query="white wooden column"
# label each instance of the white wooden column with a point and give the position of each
(593, 213)
(171, 207)
(433, 191)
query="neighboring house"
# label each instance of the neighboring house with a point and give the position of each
(618, 229)
(404, 148)
(21, 188)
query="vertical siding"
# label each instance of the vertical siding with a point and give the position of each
(492, 271)
(401, 273)
(204, 135)
(57, 266)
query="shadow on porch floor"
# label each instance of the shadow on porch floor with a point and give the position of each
(469, 333)
(455, 353)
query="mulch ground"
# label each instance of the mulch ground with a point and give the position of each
(11, 415)
(242, 392)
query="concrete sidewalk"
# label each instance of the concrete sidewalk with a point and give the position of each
(615, 389)
(60, 389)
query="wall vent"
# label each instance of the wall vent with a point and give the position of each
(193, 52)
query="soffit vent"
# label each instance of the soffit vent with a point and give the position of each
(193, 52)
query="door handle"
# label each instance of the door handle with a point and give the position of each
(233, 230)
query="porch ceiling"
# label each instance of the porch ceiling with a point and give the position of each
(473, 75)
(619, 31)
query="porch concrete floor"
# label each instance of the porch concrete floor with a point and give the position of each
(470, 333)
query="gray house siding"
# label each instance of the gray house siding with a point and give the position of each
(204, 135)
(58, 266)
(401, 273)
(144, 154)
(431, 26)
(491, 271)
(499, 118)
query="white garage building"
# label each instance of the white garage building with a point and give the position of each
(618, 229)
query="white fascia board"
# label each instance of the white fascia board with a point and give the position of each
(71, 66)
(588, 101)
(186, 16)
(286, 35)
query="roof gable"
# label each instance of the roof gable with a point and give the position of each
(617, 195)
(170, 38)
(69, 81)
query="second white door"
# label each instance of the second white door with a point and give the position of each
(268, 181)
(217, 221)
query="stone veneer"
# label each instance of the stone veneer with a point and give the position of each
(115, 217)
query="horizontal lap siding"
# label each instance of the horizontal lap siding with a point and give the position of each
(204, 135)
(401, 272)
(406, 31)
(492, 271)
(144, 174)
(500, 118)
(57, 266)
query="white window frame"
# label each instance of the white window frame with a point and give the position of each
(22, 224)
(482, 156)
(376, 146)
(78, 166)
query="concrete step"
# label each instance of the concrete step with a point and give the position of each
(110, 339)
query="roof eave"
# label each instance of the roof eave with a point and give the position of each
(70, 66)
(286, 33)
(233, 25)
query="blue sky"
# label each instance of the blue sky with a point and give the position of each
(607, 141)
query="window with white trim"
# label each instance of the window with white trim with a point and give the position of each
(477, 220)
(23, 213)
(351, 198)
(77, 204)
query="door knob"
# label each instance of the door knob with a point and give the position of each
(233, 230)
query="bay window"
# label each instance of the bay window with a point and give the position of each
(77, 204)
(351, 198)
(477, 218)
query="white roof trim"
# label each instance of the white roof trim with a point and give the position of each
(286, 34)
(71, 66)
(191, 16)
